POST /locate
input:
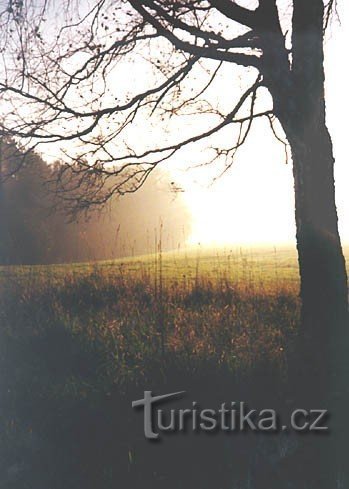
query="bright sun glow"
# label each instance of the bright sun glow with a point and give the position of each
(253, 202)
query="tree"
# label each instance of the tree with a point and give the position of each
(66, 77)
(35, 230)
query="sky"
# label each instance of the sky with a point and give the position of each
(254, 203)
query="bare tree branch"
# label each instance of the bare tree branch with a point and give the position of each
(60, 86)
(235, 12)
(207, 52)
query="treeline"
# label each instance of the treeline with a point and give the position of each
(35, 229)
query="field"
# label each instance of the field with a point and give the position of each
(80, 342)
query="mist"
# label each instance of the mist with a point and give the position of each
(36, 229)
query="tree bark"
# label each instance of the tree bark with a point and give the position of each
(324, 293)
(299, 103)
(321, 373)
(321, 261)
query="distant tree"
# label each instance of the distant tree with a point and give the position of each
(20, 235)
(62, 83)
(34, 229)
(128, 225)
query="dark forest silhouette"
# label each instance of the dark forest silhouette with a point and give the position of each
(35, 229)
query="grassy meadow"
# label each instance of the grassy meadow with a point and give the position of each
(79, 342)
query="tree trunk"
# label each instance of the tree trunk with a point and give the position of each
(321, 372)
(321, 261)
(299, 103)
(324, 294)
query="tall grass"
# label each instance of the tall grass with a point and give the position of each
(79, 343)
